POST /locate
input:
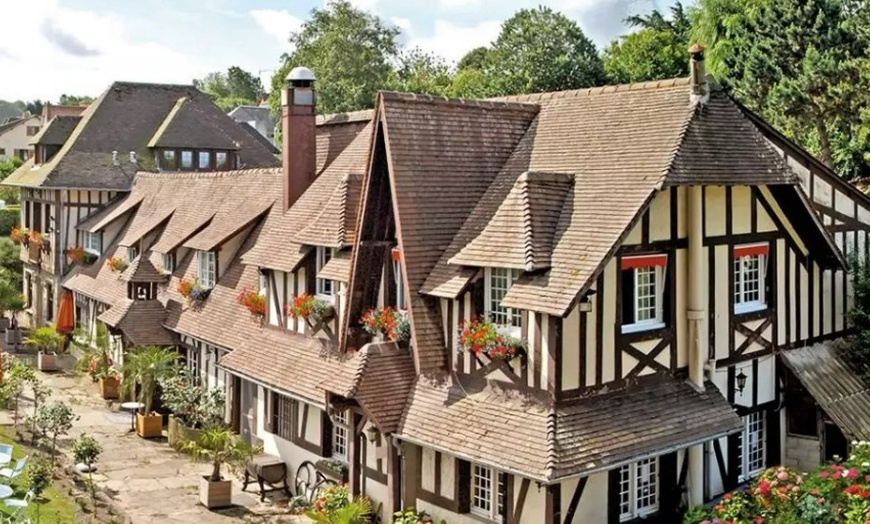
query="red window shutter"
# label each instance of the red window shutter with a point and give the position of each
(644, 261)
(745, 251)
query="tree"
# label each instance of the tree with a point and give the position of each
(474, 59)
(231, 89)
(144, 368)
(55, 420)
(219, 446)
(648, 54)
(679, 24)
(802, 65)
(349, 50)
(243, 84)
(86, 450)
(420, 72)
(39, 475)
(74, 100)
(542, 50)
(35, 107)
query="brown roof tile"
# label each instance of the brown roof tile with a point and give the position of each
(192, 125)
(141, 321)
(144, 223)
(335, 226)
(142, 270)
(338, 267)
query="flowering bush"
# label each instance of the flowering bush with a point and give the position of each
(482, 337)
(254, 302)
(117, 264)
(20, 235)
(308, 306)
(334, 503)
(387, 322)
(834, 493)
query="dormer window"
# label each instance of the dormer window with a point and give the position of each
(132, 253)
(168, 160)
(207, 268)
(643, 285)
(169, 262)
(92, 243)
(498, 281)
(221, 161)
(187, 160)
(204, 162)
(325, 287)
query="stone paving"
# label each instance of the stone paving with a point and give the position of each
(146, 479)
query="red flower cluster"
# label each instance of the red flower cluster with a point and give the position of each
(76, 254)
(117, 264)
(387, 321)
(19, 235)
(302, 306)
(480, 336)
(186, 287)
(254, 301)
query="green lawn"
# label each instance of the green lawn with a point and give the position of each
(56, 507)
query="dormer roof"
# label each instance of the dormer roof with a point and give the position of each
(142, 270)
(56, 131)
(193, 125)
(336, 224)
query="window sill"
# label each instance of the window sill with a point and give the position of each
(329, 299)
(751, 307)
(509, 331)
(483, 516)
(642, 326)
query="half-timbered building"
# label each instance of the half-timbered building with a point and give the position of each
(667, 259)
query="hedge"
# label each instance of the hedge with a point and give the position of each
(9, 218)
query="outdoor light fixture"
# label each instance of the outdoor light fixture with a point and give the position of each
(586, 303)
(373, 434)
(741, 381)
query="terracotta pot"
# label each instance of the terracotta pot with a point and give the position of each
(109, 387)
(149, 426)
(46, 361)
(215, 494)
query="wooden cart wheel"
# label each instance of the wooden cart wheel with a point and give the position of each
(323, 484)
(306, 478)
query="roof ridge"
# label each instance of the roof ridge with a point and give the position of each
(342, 214)
(345, 117)
(590, 91)
(470, 102)
(172, 175)
(528, 233)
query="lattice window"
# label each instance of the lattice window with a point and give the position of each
(282, 416)
(207, 270)
(498, 282)
(750, 267)
(638, 489)
(752, 451)
(487, 492)
(339, 435)
(325, 286)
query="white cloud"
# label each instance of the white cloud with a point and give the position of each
(458, 4)
(452, 41)
(276, 23)
(61, 50)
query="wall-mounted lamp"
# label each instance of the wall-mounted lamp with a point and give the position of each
(741, 381)
(373, 433)
(586, 302)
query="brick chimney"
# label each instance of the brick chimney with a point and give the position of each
(298, 104)
(698, 75)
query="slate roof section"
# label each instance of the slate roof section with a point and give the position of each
(335, 226)
(124, 118)
(144, 224)
(338, 267)
(141, 321)
(839, 391)
(192, 125)
(528, 436)
(227, 225)
(521, 233)
(57, 131)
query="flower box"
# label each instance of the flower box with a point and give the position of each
(481, 337)
(333, 468)
(117, 264)
(254, 302)
(109, 387)
(310, 308)
(388, 323)
(20, 235)
(191, 290)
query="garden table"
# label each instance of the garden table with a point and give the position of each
(5, 491)
(133, 407)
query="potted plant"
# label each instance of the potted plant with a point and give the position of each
(86, 450)
(117, 264)
(333, 468)
(47, 341)
(310, 308)
(193, 406)
(20, 235)
(481, 337)
(109, 379)
(14, 306)
(255, 303)
(334, 505)
(387, 324)
(191, 290)
(219, 446)
(78, 254)
(39, 475)
(143, 369)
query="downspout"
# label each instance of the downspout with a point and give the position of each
(696, 316)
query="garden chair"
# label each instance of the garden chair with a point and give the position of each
(20, 505)
(5, 454)
(13, 473)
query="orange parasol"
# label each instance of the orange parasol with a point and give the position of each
(66, 314)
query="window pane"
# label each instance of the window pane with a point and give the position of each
(168, 161)
(220, 160)
(752, 445)
(647, 492)
(339, 435)
(646, 308)
(324, 286)
(625, 491)
(749, 279)
(187, 159)
(481, 489)
(500, 281)
(204, 160)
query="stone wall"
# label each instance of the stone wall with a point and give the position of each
(802, 453)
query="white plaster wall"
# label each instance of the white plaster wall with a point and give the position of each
(592, 508)
(16, 138)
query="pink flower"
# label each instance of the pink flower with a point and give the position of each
(837, 475)
(782, 475)
(851, 473)
(825, 474)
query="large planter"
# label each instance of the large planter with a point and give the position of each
(109, 387)
(12, 336)
(4, 323)
(149, 426)
(215, 494)
(46, 361)
(179, 433)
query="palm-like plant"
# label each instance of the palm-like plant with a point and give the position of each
(145, 366)
(45, 339)
(356, 511)
(220, 446)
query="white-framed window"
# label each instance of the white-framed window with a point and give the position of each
(498, 282)
(194, 364)
(204, 159)
(339, 435)
(643, 289)
(169, 262)
(187, 160)
(132, 253)
(206, 268)
(750, 272)
(401, 301)
(325, 287)
(487, 492)
(92, 242)
(753, 454)
(638, 489)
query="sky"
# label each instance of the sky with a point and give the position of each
(80, 47)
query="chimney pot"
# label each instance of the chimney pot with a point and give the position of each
(298, 101)
(698, 75)
(132, 157)
(114, 158)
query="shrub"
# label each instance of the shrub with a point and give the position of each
(10, 216)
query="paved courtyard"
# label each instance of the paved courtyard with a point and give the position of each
(147, 480)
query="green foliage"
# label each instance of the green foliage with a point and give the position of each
(10, 216)
(648, 54)
(194, 404)
(542, 50)
(349, 50)
(86, 449)
(55, 420)
(38, 474)
(144, 367)
(45, 339)
(11, 109)
(411, 516)
(474, 59)
(231, 89)
(220, 446)
(9, 165)
(74, 100)
(336, 507)
(420, 72)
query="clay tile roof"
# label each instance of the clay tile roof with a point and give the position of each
(227, 225)
(192, 125)
(338, 267)
(140, 321)
(51, 111)
(101, 218)
(529, 436)
(142, 270)
(335, 226)
(520, 234)
(144, 224)
(56, 131)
